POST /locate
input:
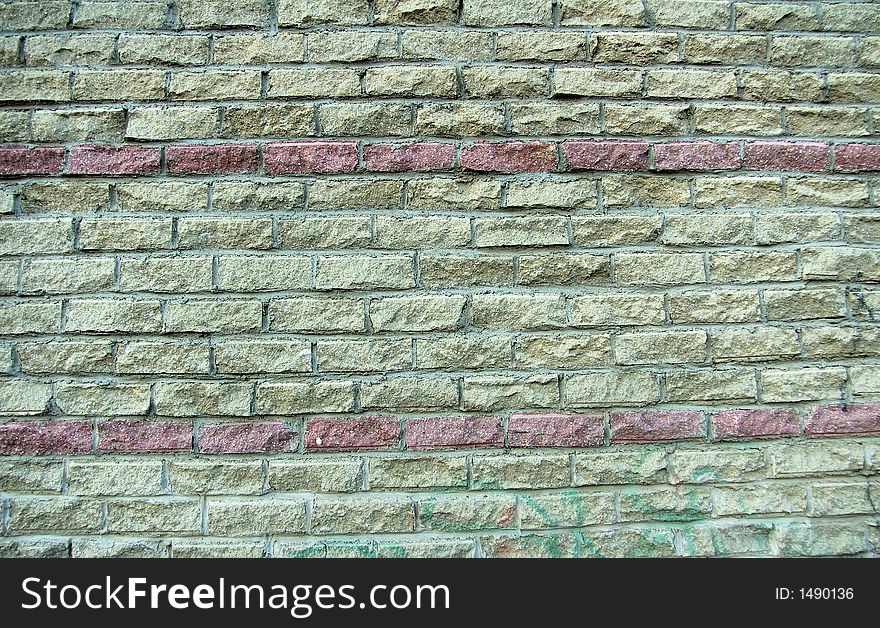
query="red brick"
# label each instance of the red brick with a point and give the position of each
(788, 156)
(419, 157)
(748, 424)
(843, 420)
(310, 157)
(509, 157)
(590, 155)
(454, 432)
(108, 160)
(212, 159)
(18, 161)
(374, 432)
(37, 438)
(555, 430)
(696, 156)
(649, 427)
(857, 157)
(246, 438)
(144, 436)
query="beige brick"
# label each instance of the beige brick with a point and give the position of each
(754, 344)
(134, 85)
(162, 357)
(604, 388)
(119, 477)
(410, 393)
(97, 399)
(256, 196)
(168, 196)
(382, 355)
(458, 119)
(67, 276)
(320, 476)
(463, 352)
(214, 316)
(551, 193)
(172, 123)
(159, 49)
(361, 272)
(714, 306)
(209, 477)
(182, 399)
(411, 81)
(263, 356)
(563, 352)
(418, 473)
(249, 273)
(286, 398)
(66, 357)
(113, 315)
(165, 274)
(225, 233)
(521, 231)
(448, 271)
(419, 232)
(604, 82)
(605, 309)
(69, 49)
(214, 85)
(316, 314)
(313, 83)
(355, 194)
(351, 46)
(125, 234)
(307, 13)
(659, 268)
(666, 347)
(803, 384)
(711, 386)
(518, 311)
(259, 48)
(409, 314)
(487, 393)
(504, 82)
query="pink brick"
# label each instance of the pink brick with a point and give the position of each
(419, 157)
(36, 438)
(788, 156)
(144, 436)
(696, 156)
(842, 420)
(857, 157)
(509, 157)
(17, 161)
(555, 430)
(621, 156)
(108, 160)
(246, 438)
(310, 157)
(454, 432)
(212, 159)
(748, 424)
(374, 432)
(649, 427)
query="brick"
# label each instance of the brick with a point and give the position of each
(509, 157)
(857, 157)
(240, 516)
(792, 156)
(352, 434)
(410, 393)
(692, 466)
(410, 80)
(287, 398)
(749, 424)
(300, 12)
(606, 155)
(20, 161)
(453, 433)
(696, 156)
(101, 398)
(119, 477)
(324, 476)
(315, 157)
(133, 436)
(106, 160)
(665, 504)
(214, 159)
(555, 430)
(415, 473)
(646, 427)
(36, 476)
(191, 399)
(601, 388)
(569, 509)
(842, 420)
(805, 384)
(36, 438)
(451, 513)
(513, 472)
(359, 515)
(245, 438)
(423, 156)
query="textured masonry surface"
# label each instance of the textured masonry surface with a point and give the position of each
(439, 278)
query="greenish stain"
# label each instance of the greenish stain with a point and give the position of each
(705, 474)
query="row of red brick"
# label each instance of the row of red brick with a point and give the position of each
(421, 434)
(318, 157)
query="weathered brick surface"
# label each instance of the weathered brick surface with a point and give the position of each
(534, 278)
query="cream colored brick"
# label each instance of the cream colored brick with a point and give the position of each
(184, 399)
(487, 393)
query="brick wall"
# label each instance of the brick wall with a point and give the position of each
(430, 277)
